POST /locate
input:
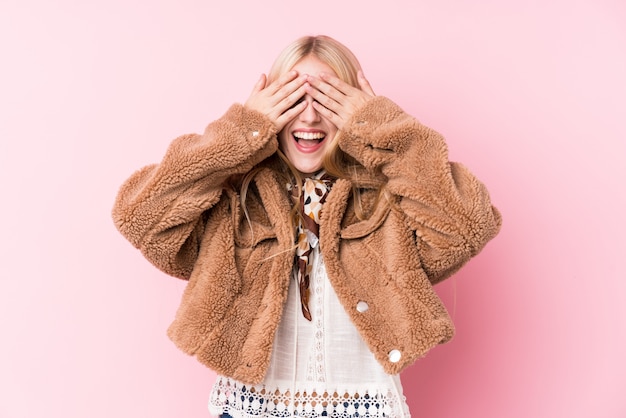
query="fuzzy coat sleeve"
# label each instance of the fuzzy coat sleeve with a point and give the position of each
(448, 208)
(161, 209)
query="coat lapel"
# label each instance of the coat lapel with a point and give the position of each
(276, 201)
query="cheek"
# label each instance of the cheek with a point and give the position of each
(332, 135)
(331, 144)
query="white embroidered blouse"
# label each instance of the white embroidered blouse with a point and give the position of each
(319, 368)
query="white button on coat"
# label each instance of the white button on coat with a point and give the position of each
(362, 306)
(255, 133)
(395, 356)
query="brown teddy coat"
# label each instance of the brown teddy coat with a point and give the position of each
(187, 219)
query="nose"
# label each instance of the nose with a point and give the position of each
(309, 115)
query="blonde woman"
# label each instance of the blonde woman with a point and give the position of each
(311, 223)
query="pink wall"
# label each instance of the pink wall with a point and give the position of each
(529, 94)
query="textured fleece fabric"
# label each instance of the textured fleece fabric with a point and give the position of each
(187, 219)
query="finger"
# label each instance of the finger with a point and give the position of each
(292, 86)
(323, 98)
(328, 89)
(259, 85)
(288, 102)
(288, 94)
(293, 98)
(282, 81)
(337, 83)
(335, 118)
(289, 114)
(365, 85)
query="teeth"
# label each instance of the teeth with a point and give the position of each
(309, 135)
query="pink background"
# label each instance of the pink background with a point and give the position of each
(530, 95)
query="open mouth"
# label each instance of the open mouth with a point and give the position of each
(309, 139)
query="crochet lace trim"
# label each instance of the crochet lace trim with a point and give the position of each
(243, 401)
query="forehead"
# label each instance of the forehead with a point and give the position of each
(312, 66)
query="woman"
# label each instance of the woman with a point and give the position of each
(311, 223)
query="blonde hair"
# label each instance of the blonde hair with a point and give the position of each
(331, 52)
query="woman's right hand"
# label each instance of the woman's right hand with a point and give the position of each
(279, 100)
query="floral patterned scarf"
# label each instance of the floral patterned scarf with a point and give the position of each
(314, 192)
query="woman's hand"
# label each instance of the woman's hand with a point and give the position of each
(337, 100)
(277, 100)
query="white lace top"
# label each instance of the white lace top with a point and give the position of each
(319, 368)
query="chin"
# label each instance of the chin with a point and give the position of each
(308, 170)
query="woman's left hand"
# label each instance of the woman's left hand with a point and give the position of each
(337, 100)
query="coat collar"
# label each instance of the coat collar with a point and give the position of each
(278, 206)
(334, 211)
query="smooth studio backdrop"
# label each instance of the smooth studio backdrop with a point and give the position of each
(530, 95)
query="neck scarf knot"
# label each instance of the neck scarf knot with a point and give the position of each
(314, 192)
